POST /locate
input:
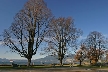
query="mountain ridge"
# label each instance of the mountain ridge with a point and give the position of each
(47, 59)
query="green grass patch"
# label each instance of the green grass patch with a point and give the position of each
(23, 67)
(49, 66)
(90, 66)
(5, 67)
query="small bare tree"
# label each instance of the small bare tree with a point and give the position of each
(95, 42)
(81, 54)
(93, 55)
(27, 32)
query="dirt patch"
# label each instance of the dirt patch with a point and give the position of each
(47, 70)
(54, 70)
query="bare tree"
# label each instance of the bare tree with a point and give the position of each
(106, 55)
(95, 42)
(81, 54)
(27, 32)
(93, 54)
(62, 33)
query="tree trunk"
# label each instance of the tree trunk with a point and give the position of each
(80, 62)
(61, 62)
(90, 62)
(29, 62)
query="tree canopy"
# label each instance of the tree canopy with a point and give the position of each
(28, 29)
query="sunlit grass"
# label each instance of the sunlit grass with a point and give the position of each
(49, 66)
(24, 67)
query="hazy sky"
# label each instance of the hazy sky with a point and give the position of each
(89, 15)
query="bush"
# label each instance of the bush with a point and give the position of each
(98, 64)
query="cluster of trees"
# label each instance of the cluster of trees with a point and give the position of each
(35, 24)
(92, 48)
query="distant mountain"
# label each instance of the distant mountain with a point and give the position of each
(45, 60)
(4, 60)
(53, 59)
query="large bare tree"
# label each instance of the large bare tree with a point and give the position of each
(27, 32)
(62, 33)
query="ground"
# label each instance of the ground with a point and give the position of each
(76, 69)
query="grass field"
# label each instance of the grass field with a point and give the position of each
(51, 68)
(48, 66)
